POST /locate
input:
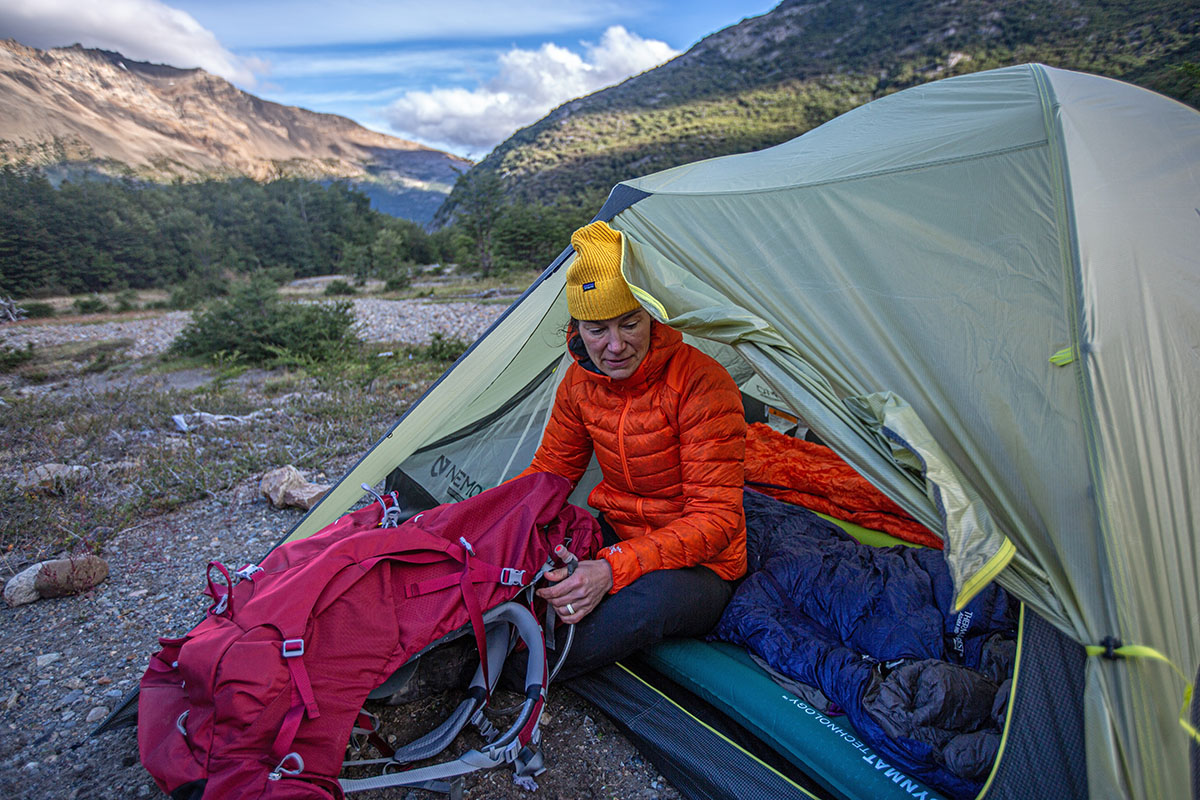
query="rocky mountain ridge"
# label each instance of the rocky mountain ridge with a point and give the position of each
(772, 77)
(73, 108)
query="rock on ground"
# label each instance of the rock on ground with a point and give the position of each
(55, 578)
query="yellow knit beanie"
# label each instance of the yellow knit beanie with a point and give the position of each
(595, 288)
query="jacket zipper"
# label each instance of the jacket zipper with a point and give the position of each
(621, 443)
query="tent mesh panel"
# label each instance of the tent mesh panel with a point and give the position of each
(1195, 748)
(1045, 745)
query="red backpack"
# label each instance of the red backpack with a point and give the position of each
(260, 699)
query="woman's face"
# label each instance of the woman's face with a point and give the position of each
(618, 345)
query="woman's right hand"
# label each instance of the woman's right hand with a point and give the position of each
(582, 591)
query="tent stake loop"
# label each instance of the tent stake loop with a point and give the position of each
(1111, 644)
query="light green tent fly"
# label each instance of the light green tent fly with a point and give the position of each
(984, 293)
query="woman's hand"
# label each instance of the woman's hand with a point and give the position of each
(582, 591)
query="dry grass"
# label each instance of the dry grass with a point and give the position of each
(141, 465)
(456, 286)
(70, 359)
(114, 418)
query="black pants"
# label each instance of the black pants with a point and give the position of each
(658, 605)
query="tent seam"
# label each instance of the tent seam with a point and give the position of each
(1072, 274)
(863, 175)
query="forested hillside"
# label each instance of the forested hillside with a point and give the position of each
(197, 239)
(770, 78)
(98, 235)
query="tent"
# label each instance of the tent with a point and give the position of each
(984, 293)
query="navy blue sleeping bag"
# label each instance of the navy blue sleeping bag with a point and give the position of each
(874, 629)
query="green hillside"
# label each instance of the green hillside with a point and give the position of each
(771, 78)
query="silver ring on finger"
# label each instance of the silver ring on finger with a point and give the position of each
(570, 610)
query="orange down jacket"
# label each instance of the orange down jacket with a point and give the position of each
(670, 441)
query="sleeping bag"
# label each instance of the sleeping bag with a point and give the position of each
(875, 630)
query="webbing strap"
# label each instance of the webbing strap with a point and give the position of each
(303, 684)
(469, 762)
(479, 572)
(289, 727)
(1107, 650)
(303, 700)
(476, 613)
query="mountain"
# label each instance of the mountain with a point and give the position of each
(73, 109)
(772, 77)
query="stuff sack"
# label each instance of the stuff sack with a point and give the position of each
(260, 699)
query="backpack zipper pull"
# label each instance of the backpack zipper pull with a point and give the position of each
(280, 770)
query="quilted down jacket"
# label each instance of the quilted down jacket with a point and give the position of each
(670, 441)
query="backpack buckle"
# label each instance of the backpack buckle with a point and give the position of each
(248, 572)
(512, 577)
(293, 648)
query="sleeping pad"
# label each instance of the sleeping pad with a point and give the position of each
(875, 631)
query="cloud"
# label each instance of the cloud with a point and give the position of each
(300, 23)
(529, 84)
(143, 30)
(455, 61)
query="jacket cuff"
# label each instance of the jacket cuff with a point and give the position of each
(624, 565)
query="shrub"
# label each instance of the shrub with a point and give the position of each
(90, 305)
(280, 275)
(442, 348)
(126, 300)
(339, 287)
(254, 325)
(400, 278)
(197, 289)
(11, 357)
(37, 310)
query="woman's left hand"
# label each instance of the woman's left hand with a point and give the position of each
(581, 591)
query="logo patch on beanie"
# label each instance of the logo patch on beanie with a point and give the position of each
(587, 287)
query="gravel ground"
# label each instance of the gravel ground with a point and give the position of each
(68, 662)
(402, 321)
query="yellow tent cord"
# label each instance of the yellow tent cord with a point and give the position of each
(1142, 651)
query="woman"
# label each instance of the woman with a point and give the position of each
(667, 427)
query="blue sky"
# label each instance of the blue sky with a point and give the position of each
(460, 75)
